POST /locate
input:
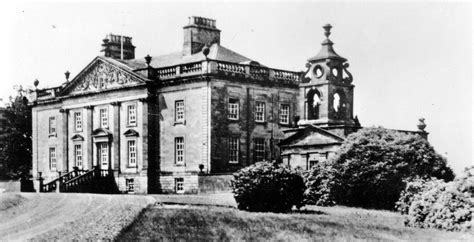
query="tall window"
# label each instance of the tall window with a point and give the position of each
(179, 111)
(259, 111)
(104, 155)
(233, 109)
(179, 185)
(259, 149)
(130, 185)
(52, 125)
(284, 114)
(132, 115)
(233, 150)
(52, 158)
(78, 121)
(179, 150)
(132, 153)
(104, 118)
(78, 155)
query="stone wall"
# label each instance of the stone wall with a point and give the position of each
(214, 183)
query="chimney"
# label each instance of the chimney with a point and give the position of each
(198, 33)
(118, 47)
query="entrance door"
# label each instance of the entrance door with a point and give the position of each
(104, 156)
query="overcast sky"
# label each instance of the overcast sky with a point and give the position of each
(409, 60)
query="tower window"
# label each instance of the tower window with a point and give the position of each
(284, 113)
(260, 111)
(233, 109)
(313, 101)
(259, 149)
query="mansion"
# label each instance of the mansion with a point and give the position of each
(184, 121)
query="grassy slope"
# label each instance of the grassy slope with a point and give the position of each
(221, 223)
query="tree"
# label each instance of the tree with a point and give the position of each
(372, 165)
(16, 154)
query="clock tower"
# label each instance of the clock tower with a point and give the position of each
(327, 92)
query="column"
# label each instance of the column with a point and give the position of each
(116, 137)
(65, 135)
(88, 137)
(145, 129)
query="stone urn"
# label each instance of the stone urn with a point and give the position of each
(421, 124)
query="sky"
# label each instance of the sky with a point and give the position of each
(409, 60)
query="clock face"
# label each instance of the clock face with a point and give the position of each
(318, 71)
(334, 71)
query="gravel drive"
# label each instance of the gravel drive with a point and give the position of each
(67, 216)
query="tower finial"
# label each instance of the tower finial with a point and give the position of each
(327, 30)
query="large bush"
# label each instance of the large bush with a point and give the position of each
(319, 181)
(372, 165)
(440, 205)
(268, 187)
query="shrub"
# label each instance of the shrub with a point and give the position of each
(267, 187)
(372, 165)
(441, 205)
(413, 191)
(319, 181)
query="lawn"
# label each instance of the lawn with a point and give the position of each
(204, 223)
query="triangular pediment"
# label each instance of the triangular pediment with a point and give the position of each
(77, 137)
(311, 136)
(101, 132)
(100, 75)
(131, 133)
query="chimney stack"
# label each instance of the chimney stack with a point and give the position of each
(118, 47)
(198, 33)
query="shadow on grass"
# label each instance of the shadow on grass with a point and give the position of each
(306, 211)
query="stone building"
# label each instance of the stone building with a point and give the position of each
(174, 123)
(184, 121)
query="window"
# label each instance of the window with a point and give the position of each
(179, 185)
(312, 163)
(132, 153)
(130, 183)
(78, 121)
(104, 118)
(52, 125)
(259, 149)
(259, 111)
(104, 155)
(179, 111)
(78, 155)
(233, 150)
(132, 115)
(179, 150)
(52, 158)
(233, 109)
(284, 114)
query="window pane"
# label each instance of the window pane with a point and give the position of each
(179, 111)
(179, 150)
(78, 121)
(284, 114)
(78, 155)
(132, 153)
(104, 119)
(233, 150)
(52, 158)
(259, 149)
(132, 115)
(233, 112)
(259, 111)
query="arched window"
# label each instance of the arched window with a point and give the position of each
(313, 101)
(339, 104)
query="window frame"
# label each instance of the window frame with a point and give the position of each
(76, 129)
(287, 114)
(183, 149)
(231, 108)
(236, 150)
(52, 150)
(129, 153)
(176, 114)
(179, 184)
(129, 117)
(81, 155)
(102, 118)
(256, 112)
(52, 125)
(257, 151)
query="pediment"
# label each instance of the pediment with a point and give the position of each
(311, 136)
(131, 133)
(101, 132)
(77, 137)
(100, 75)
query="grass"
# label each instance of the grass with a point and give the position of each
(204, 223)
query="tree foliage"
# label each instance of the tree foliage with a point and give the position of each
(267, 187)
(16, 153)
(372, 165)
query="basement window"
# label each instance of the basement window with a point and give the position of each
(179, 185)
(130, 185)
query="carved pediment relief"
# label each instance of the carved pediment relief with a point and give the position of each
(101, 75)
